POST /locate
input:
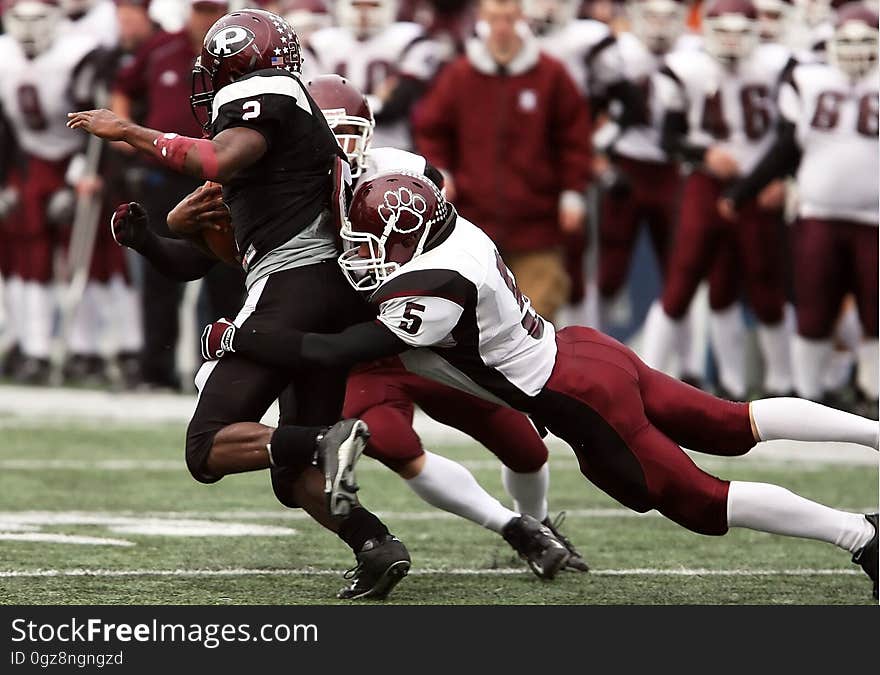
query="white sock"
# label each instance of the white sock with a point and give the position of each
(811, 358)
(37, 313)
(839, 370)
(727, 332)
(85, 333)
(775, 342)
(797, 419)
(14, 308)
(773, 509)
(659, 337)
(128, 324)
(449, 486)
(616, 310)
(867, 374)
(849, 328)
(528, 490)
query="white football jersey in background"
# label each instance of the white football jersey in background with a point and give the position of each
(734, 108)
(35, 94)
(837, 127)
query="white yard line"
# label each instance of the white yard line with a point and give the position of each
(309, 572)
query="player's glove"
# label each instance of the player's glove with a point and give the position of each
(8, 201)
(217, 339)
(130, 225)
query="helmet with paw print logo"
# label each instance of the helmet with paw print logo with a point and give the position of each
(393, 218)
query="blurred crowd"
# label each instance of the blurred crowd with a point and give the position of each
(563, 127)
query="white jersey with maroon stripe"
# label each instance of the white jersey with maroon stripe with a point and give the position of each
(641, 141)
(35, 94)
(370, 65)
(837, 126)
(731, 107)
(460, 302)
(383, 160)
(589, 52)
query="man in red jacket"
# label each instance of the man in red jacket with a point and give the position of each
(511, 132)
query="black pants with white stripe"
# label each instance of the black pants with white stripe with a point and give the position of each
(314, 298)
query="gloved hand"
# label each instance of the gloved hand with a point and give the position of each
(217, 339)
(130, 225)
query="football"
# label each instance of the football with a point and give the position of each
(221, 243)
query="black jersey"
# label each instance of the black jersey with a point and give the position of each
(278, 196)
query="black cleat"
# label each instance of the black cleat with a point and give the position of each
(34, 371)
(867, 555)
(536, 544)
(338, 451)
(576, 561)
(382, 563)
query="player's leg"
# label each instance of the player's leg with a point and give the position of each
(617, 235)
(383, 559)
(864, 253)
(377, 396)
(728, 428)
(727, 327)
(707, 505)
(820, 285)
(763, 251)
(510, 436)
(692, 253)
(381, 394)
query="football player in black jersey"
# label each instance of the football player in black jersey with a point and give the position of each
(271, 149)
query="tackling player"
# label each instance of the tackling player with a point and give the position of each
(450, 307)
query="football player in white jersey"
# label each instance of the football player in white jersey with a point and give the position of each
(450, 307)
(391, 61)
(41, 75)
(720, 117)
(642, 186)
(96, 18)
(828, 138)
(586, 47)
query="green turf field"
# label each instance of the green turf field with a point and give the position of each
(107, 514)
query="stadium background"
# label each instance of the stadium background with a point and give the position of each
(96, 505)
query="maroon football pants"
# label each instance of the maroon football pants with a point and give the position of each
(653, 200)
(833, 258)
(749, 253)
(627, 424)
(383, 394)
(29, 239)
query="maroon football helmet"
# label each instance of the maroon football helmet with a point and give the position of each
(237, 44)
(730, 29)
(853, 47)
(348, 114)
(391, 219)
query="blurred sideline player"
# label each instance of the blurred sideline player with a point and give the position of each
(44, 71)
(450, 307)
(382, 393)
(828, 137)
(390, 61)
(643, 184)
(272, 151)
(719, 117)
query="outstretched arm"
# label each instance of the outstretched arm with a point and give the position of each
(176, 259)
(217, 159)
(294, 349)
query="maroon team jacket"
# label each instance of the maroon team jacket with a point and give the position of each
(513, 141)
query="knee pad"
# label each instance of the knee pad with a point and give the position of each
(198, 447)
(283, 479)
